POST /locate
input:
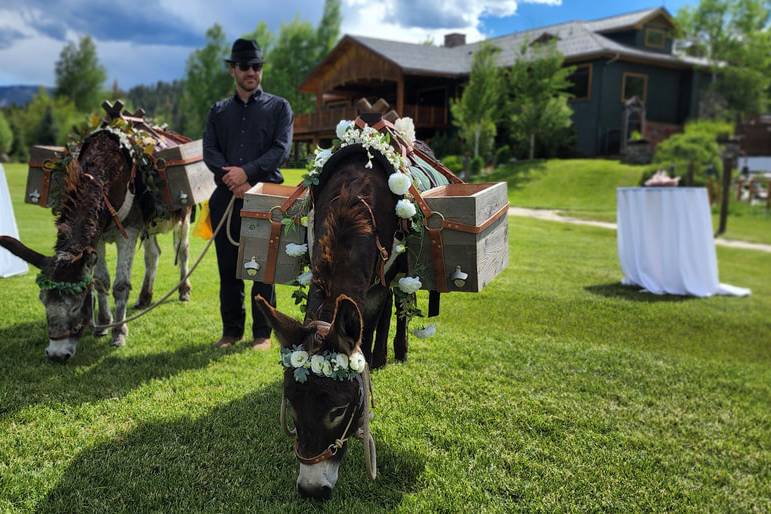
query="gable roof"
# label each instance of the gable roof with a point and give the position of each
(576, 40)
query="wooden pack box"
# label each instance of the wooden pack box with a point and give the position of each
(256, 229)
(471, 260)
(188, 180)
(43, 182)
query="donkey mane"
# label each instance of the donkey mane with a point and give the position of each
(345, 234)
(79, 224)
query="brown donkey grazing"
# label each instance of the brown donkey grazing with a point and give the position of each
(348, 305)
(98, 180)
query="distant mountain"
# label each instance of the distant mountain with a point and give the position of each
(18, 95)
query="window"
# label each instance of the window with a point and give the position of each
(581, 80)
(634, 84)
(655, 38)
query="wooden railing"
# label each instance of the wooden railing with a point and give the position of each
(424, 116)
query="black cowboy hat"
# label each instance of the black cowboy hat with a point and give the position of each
(245, 51)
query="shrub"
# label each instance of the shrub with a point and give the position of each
(697, 145)
(454, 162)
(477, 163)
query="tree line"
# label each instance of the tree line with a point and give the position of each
(183, 104)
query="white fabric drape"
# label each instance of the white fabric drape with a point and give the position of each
(665, 242)
(9, 264)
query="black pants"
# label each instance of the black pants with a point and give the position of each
(231, 288)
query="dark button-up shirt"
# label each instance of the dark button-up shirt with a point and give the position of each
(255, 135)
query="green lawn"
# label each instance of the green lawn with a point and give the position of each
(586, 189)
(555, 389)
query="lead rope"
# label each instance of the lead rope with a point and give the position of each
(176, 287)
(364, 433)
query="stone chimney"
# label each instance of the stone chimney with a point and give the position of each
(454, 39)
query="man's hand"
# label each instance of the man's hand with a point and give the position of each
(234, 177)
(239, 191)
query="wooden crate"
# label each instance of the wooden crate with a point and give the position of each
(43, 184)
(255, 234)
(188, 180)
(481, 256)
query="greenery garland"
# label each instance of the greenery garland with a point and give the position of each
(71, 288)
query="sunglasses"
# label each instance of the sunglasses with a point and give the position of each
(246, 67)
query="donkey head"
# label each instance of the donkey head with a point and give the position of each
(65, 291)
(325, 407)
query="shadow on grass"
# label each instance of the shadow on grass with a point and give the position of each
(516, 175)
(634, 294)
(234, 458)
(97, 371)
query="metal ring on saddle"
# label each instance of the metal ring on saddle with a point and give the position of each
(273, 209)
(49, 164)
(160, 164)
(427, 220)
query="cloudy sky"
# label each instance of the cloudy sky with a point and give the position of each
(143, 41)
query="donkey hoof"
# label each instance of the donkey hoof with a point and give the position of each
(143, 301)
(118, 341)
(184, 297)
(101, 333)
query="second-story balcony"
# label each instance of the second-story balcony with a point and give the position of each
(322, 123)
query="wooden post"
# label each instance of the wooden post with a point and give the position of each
(400, 95)
(730, 153)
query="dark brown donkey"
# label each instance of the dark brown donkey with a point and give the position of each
(353, 217)
(103, 170)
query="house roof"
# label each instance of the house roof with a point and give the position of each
(576, 40)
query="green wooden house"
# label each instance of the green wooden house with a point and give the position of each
(616, 58)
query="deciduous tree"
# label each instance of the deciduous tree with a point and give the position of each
(79, 76)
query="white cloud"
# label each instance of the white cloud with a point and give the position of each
(419, 20)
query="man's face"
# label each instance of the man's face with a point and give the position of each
(247, 76)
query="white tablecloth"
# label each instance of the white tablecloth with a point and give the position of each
(9, 264)
(665, 241)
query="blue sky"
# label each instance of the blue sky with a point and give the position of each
(143, 41)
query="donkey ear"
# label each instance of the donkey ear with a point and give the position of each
(21, 251)
(345, 333)
(288, 330)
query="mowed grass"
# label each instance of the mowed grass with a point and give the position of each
(554, 389)
(586, 189)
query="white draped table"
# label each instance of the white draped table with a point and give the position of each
(665, 241)
(9, 264)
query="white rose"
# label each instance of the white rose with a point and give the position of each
(317, 364)
(342, 360)
(322, 156)
(399, 183)
(409, 285)
(405, 209)
(326, 368)
(406, 128)
(400, 248)
(295, 250)
(304, 278)
(357, 362)
(299, 358)
(343, 127)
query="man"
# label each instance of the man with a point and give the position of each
(247, 137)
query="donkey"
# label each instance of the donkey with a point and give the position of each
(103, 171)
(347, 303)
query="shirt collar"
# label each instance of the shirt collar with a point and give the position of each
(253, 98)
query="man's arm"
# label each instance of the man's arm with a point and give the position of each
(278, 151)
(212, 154)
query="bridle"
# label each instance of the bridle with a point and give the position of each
(362, 429)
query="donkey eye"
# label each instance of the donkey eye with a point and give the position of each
(336, 414)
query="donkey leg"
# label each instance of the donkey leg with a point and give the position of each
(122, 285)
(182, 244)
(380, 351)
(102, 287)
(152, 253)
(401, 338)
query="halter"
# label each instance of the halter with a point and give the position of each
(362, 431)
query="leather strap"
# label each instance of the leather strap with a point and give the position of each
(178, 162)
(45, 184)
(166, 192)
(114, 215)
(471, 229)
(270, 261)
(437, 257)
(441, 168)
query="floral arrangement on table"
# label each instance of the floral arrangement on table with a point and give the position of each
(334, 365)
